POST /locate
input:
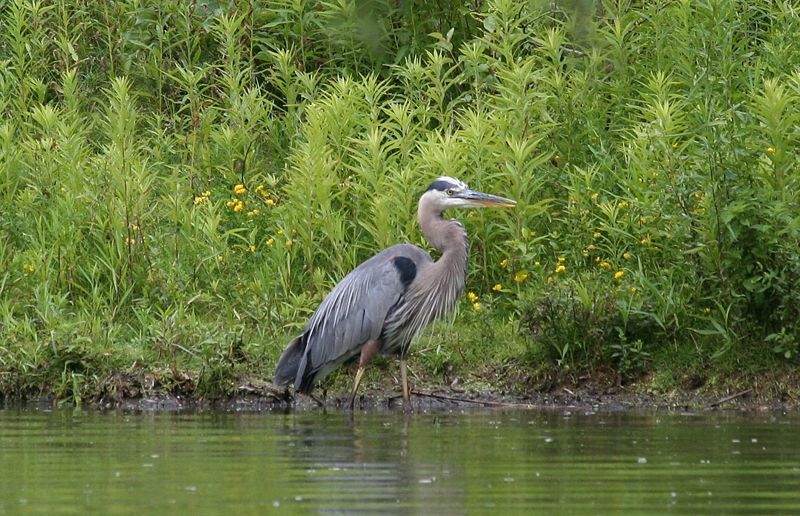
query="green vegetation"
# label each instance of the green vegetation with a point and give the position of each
(181, 182)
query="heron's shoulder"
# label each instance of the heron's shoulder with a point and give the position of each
(416, 254)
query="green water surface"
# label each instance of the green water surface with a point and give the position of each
(459, 462)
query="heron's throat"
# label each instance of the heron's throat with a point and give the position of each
(448, 237)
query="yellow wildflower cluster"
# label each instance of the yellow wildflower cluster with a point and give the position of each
(253, 213)
(626, 255)
(252, 249)
(270, 241)
(618, 275)
(239, 189)
(130, 241)
(260, 190)
(771, 150)
(203, 197)
(560, 268)
(28, 268)
(605, 265)
(520, 277)
(504, 264)
(236, 205)
(498, 287)
(473, 298)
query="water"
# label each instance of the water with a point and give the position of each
(377, 462)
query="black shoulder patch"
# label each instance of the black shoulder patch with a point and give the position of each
(407, 269)
(440, 185)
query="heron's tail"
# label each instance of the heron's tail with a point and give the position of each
(286, 370)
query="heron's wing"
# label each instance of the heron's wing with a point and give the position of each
(355, 310)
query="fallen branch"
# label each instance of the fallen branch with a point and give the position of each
(482, 403)
(729, 398)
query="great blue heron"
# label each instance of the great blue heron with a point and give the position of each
(385, 301)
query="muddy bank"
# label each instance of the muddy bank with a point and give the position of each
(265, 397)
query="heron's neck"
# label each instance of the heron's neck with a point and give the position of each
(449, 238)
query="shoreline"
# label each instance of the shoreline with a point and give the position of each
(265, 398)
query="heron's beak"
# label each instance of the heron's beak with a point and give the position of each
(484, 200)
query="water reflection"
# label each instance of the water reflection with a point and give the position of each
(343, 460)
(378, 462)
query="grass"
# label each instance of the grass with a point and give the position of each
(181, 184)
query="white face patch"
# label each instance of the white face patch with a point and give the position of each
(452, 180)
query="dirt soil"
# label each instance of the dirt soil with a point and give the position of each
(132, 394)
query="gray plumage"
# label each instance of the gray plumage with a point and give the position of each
(389, 298)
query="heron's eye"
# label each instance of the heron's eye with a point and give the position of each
(450, 191)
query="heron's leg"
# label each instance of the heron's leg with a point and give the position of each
(404, 378)
(367, 352)
(359, 375)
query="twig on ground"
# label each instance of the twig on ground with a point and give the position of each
(483, 403)
(729, 398)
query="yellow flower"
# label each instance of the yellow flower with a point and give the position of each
(498, 287)
(619, 275)
(504, 264)
(771, 150)
(238, 207)
(605, 265)
(221, 258)
(561, 259)
(270, 242)
(623, 204)
(520, 277)
(596, 234)
(560, 268)
(471, 213)
(269, 202)
(626, 255)
(280, 231)
(29, 268)
(252, 249)
(253, 213)
(239, 189)
(130, 241)
(549, 280)
(706, 310)
(590, 247)
(476, 306)
(644, 241)
(289, 243)
(594, 196)
(200, 200)
(472, 296)
(633, 290)
(675, 145)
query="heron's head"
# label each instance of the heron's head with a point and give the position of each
(448, 192)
